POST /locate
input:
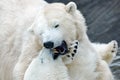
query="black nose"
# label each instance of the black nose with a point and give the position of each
(48, 44)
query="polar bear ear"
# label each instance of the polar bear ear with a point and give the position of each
(71, 7)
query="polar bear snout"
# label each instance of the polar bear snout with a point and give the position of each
(51, 38)
(48, 45)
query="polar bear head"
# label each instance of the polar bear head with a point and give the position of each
(57, 22)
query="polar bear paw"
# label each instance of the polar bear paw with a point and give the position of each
(73, 49)
(72, 52)
(113, 47)
(111, 51)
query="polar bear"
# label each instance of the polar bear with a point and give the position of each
(87, 64)
(26, 26)
(44, 67)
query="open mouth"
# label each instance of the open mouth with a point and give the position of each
(60, 50)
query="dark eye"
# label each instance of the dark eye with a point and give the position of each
(56, 26)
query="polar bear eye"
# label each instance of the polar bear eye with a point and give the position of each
(56, 26)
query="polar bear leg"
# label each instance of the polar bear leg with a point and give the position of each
(107, 51)
(110, 52)
(29, 51)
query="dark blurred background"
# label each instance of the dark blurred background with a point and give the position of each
(103, 20)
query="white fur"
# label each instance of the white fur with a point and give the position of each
(44, 67)
(18, 47)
